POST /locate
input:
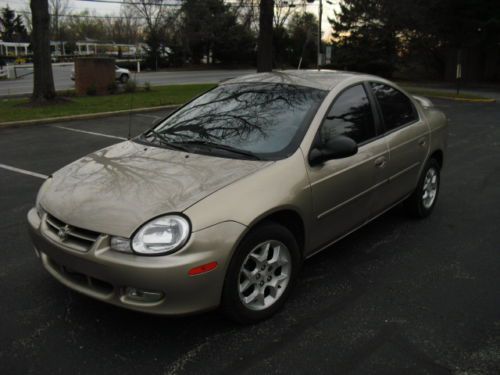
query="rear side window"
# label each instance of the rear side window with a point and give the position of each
(397, 108)
(351, 115)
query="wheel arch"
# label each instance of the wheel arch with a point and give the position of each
(438, 155)
(289, 217)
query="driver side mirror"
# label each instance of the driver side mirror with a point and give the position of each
(336, 148)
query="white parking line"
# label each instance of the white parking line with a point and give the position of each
(23, 171)
(89, 132)
(149, 116)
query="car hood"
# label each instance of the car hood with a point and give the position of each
(117, 189)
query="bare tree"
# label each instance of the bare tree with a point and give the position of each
(155, 13)
(247, 12)
(58, 9)
(43, 88)
(283, 10)
(26, 13)
(125, 29)
(130, 26)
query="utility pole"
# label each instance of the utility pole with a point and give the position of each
(320, 17)
(458, 74)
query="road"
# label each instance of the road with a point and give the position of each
(62, 80)
(400, 296)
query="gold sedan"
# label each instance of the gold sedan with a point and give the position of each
(219, 204)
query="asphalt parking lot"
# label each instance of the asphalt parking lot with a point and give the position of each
(399, 296)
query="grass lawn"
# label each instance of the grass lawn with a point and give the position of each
(12, 109)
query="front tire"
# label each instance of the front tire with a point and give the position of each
(261, 274)
(124, 78)
(421, 203)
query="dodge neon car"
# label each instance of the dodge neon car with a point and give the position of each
(219, 203)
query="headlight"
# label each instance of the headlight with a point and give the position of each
(162, 235)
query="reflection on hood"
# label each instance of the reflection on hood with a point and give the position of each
(117, 189)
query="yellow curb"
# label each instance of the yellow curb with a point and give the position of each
(86, 116)
(469, 100)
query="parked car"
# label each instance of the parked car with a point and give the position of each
(121, 74)
(220, 203)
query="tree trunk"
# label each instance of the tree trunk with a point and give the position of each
(43, 81)
(265, 41)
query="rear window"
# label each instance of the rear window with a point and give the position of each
(397, 108)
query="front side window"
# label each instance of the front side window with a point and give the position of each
(266, 120)
(351, 115)
(396, 107)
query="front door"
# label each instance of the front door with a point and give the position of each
(342, 188)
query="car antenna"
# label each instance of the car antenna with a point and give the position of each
(129, 135)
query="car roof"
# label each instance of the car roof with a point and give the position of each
(322, 79)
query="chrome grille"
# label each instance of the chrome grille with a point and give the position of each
(76, 238)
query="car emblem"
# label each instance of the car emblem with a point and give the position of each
(63, 233)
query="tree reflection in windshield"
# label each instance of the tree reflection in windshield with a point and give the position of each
(262, 118)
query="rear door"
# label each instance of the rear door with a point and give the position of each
(407, 137)
(342, 188)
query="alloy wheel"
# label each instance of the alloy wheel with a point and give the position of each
(430, 188)
(264, 275)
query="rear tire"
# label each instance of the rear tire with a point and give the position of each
(421, 203)
(258, 281)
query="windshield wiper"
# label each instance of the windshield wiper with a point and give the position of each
(219, 146)
(165, 141)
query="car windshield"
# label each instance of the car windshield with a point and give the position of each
(258, 120)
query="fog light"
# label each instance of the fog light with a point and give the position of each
(141, 295)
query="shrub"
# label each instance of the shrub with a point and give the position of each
(92, 90)
(130, 86)
(112, 88)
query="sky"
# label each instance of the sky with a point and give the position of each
(76, 6)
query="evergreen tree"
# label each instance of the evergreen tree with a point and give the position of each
(12, 26)
(365, 34)
(303, 30)
(374, 35)
(210, 28)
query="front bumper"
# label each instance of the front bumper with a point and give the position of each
(105, 274)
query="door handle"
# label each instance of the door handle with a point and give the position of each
(422, 142)
(380, 162)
